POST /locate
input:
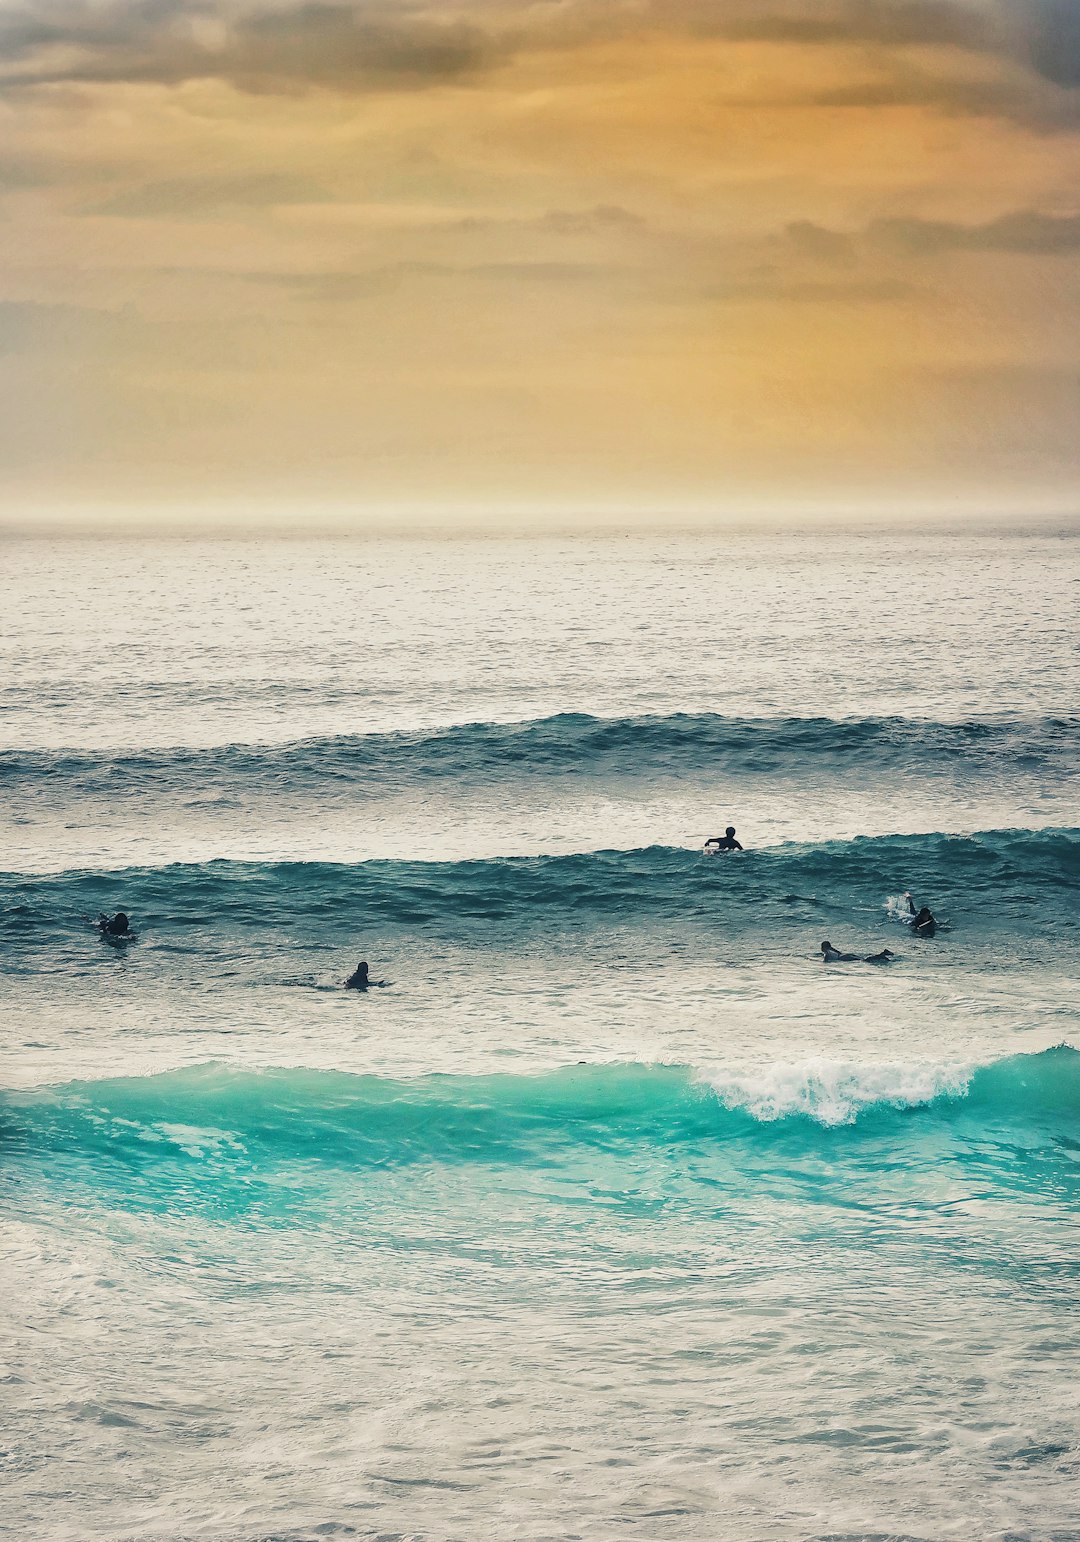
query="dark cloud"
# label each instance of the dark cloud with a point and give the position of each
(195, 196)
(893, 22)
(1055, 40)
(169, 41)
(355, 45)
(1040, 36)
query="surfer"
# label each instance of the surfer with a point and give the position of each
(114, 926)
(725, 842)
(833, 955)
(358, 980)
(924, 923)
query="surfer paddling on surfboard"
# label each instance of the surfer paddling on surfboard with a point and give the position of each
(833, 955)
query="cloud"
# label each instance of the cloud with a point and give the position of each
(17, 173)
(1025, 231)
(195, 196)
(907, 87)
(939, 23)
(354, 45)
(377, 281)
(820, 244)
(28, 326)
(1054, 30)
(606, 216)
(773, 286)
(559, 222)
(341, 46)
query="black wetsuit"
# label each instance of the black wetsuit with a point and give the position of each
(114, 926)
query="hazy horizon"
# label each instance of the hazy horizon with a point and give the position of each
(260, 520)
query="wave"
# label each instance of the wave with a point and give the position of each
(219, 1118)
(1005, 874)
(680, 744)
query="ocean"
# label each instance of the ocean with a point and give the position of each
(610, 1211)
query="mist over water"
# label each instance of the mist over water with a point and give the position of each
(610, 1209)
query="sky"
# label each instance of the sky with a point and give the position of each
(658, 254)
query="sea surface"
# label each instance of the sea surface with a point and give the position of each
(610, 1211)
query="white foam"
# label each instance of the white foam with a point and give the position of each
(836, 1091)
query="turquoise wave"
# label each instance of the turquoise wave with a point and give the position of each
(218, 1116)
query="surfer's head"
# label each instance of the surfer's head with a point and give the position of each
(730, 831)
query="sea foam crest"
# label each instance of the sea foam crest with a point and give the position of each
(833, 1092)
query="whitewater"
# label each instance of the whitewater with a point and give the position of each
(611, 1211)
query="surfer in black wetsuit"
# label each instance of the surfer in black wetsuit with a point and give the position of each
(358, 980)
(114, 926)
(725, 842)
(833, 955)
(924, 924)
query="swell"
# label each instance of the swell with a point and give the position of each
(1005, 874)
(604, 748)
(216, 1117)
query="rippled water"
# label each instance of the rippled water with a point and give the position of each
(612, 1211)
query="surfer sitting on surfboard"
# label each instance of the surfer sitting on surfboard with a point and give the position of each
(114, 926)
(725, 842)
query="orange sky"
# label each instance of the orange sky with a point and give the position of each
(655, 254)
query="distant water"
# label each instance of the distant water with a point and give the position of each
(613, 1212)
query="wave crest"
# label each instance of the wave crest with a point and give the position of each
(835, 1092)
(638, 745)
(652, 885)
(217, 1115)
